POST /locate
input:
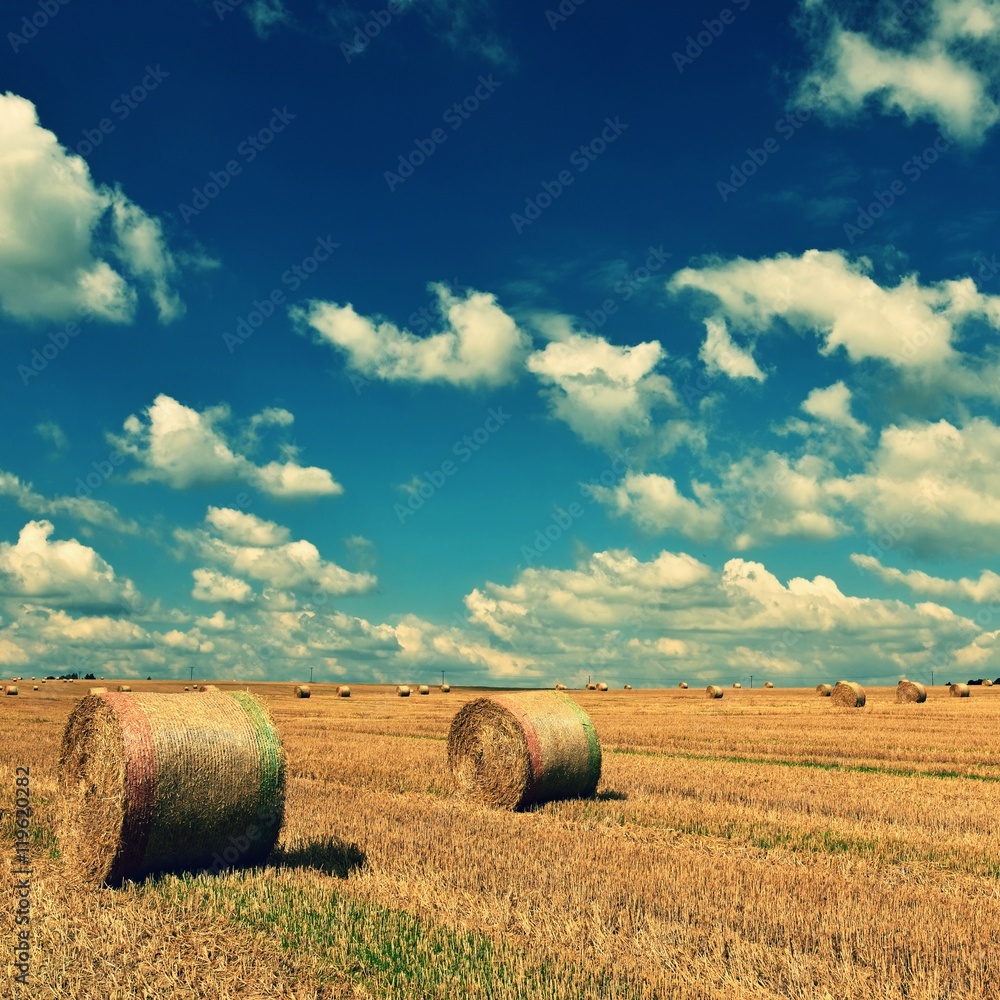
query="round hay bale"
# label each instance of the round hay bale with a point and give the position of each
(591, 687)
(824, 690)
(186, 688)
(303, 691)
(151, 782)
(515, 750)
(125, 687)
(35, 688)
(403, 691)
(959, 690)
(683, 685)
(424, 689)
(97, 691)
(207, 687)
(343, 691)
(601, 686)
(628, 687)
(987, 683)
(768, 684)
(737, 685)
(10, 689)
(848, 694)
(910, 693)
(713, 691)
(446, 688)
(561, 687)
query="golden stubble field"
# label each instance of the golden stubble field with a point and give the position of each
(766, 845)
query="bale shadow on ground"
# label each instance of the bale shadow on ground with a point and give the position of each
(329, 854)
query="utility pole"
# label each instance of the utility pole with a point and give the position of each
(442, 678)
(192, 670)
(310, 674)
(751, 682)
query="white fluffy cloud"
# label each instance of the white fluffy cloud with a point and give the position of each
(602, 391)
(910, 325)
(721, 355)
(480, 344)
(947, 74)
(183, 448)
(83, 509)
(985, 588)
(214, 587)
(832, 407)
(249, 546)
(60, 574)
(59, 228)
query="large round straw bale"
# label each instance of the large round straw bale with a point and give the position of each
(124, 687)
(713, 691)
(343, 691)
(848, 694)
(683, 685)
(35, 688)
(737, 685)
(446, 688)
(514, 750)
(591, 687)
(561, 687)
(152, 782)
(601, 686)
(824, 690)
(959, 690)
(207, 687)
(403, 691)
(987, 683)
(10, 689)
(97, 690)
(424, 689)
(768, 684)
(303, 691)
(910, 693)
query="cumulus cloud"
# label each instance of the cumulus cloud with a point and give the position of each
(214, 587)
(60, 574)
(601, 390)
(832, 407)
(945, 70)
(249, 546)
(479, 346)
(83, 509)
(183, 448)
(721, 355)
(985, 588)
(910, 325)
(60, 228)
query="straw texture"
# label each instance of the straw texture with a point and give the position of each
(125, 687)
(713, 691)
(848, 694)
(911, 693)
(207, 687)
(403, 691)
(824, 690)
(768, 684)
(343, 691)
(516, 750)
(959, 690)
(683, 685)
(303, 691)
(155, 782)
(446, 688)
(10, 689)
(424, 689)
(601, 686)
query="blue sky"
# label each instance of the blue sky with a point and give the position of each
(523, 345)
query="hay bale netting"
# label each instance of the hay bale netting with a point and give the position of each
(769, 684)
(153, 782)
(303, 691)
(911, 693)
(343, 691)
(683, 685)
(10, 689)
(97, 691)
(959, 690)
(125, 687)
(403, 691)
(445, 688)
(601, 686)
(424, 689)
(848, 694)
(515, 750)
(824, 690)
(713, 691)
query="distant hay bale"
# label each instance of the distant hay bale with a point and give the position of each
(713, 691)
(155, 783)
(207, 687)
(424, 689)
(186, 688)
(515, 750)
(683, 685)
(125, 687)
(768, 684)
(987, 683)
(35, 688)
(848, 694)
(343, 691)
(911, 693)
(10, 689)
(403, 691)
(628, 687)
(591, 687)
(601, 686)
(97, 690)
(445, 688)
(303, 691)
(737, 685)
(959, 690)
(561, 687)
(824, 690)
